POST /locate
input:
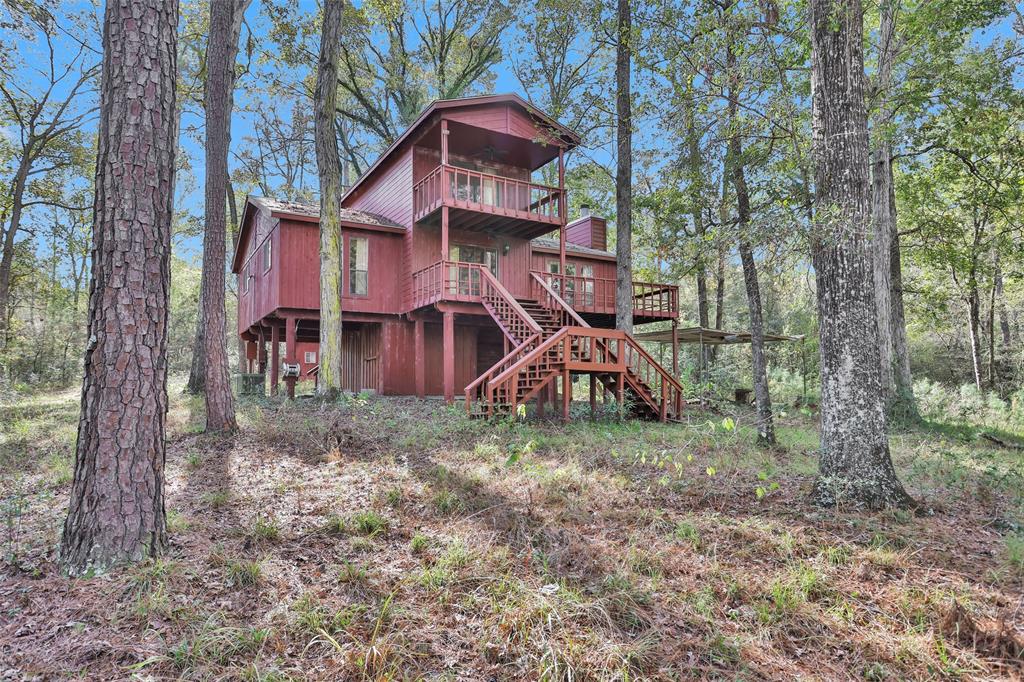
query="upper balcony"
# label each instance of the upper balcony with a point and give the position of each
(479, 200)
(483, 170)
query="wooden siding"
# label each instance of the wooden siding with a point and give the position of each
(499, 117)
(513, 267)
(360, 356)
(427, 159)
(591, 232)
(296, 271)
(390, 194)
(602, 268)
(261, 299)
(398, 373)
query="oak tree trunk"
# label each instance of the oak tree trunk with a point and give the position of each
(7, 247)
(855, 465)
(221, 49)
(1004, 319)
(328, 166)
(623, 173)
(116, 511)
(882, 213)
(734, 162)
(904, 406)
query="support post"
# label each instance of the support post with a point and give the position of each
(420, 358)
(675, 348)
(444, 141)
(593, 396)
(261, 354)
(444, 242)
(448, 350)
(275, 357)
(562, 210)
(566, 395)
(289, 353)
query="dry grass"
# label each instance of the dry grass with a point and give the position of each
(393, 539)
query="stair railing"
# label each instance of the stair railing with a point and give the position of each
(477, 390)
(513, 320)
(665, 391)
(550, 299)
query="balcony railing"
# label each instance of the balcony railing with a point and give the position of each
(597, 295)
(447, 281)
(486, 193)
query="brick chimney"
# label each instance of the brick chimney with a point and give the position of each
(587, 230)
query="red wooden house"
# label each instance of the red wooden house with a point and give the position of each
(451, 281)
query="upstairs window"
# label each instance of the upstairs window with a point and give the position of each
(266, 255)
(358, 265)
(310, 357)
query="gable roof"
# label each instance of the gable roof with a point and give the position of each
(567, 135)
(292, 210)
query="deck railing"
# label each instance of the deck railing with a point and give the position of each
(477, 191)
(597, 294)
(450, 280)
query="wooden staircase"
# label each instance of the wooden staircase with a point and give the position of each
(552, 340)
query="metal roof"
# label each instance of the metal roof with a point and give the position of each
(713, 337)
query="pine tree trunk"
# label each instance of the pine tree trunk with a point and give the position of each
(855, 465)
(116, 511)
(221, 49)
(196, 383)
(623, 173)
(328, 166)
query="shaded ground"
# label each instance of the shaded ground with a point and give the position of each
(394, 539)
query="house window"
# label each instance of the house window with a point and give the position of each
(587, 295)
(266, 255)
(358, 264)
(310, 357)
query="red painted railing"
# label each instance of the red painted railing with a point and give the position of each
(476, 191)
(597, 294)
(518, 377)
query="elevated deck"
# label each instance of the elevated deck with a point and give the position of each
(589, 296)
(479, 200)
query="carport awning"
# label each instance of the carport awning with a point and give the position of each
(714, 337)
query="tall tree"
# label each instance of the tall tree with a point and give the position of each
(329, 169)
(623, 171)
(735, 170)
(221, 49)
(882, 214)
(855, 465)
(116, 511)
(46, 120)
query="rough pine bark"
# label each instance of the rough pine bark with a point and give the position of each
(855, 466)
(221, 49)
(196, 383)
(623, 173)
(116, 513)
(328, 166)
